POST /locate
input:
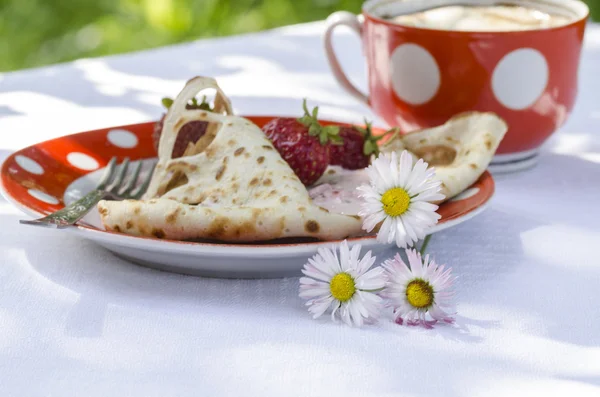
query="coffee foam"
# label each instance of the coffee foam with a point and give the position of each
(483, 18)
(467, 15)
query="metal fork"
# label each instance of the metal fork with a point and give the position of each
(111, 186)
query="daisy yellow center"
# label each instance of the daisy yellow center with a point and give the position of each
(395, 201)
(419, 293)
(342, 287)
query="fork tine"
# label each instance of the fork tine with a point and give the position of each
(132, 181)
(121, 176)
(109, 173)
(137, 193)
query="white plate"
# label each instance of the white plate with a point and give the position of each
(30, 181)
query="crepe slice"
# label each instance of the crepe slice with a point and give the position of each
(236, 188)
(460, 150)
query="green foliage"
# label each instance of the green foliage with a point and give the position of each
(41, 32)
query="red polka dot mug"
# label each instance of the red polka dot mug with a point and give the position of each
(419, 75)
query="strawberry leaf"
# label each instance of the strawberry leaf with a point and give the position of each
(167, 102)
(314, 130)
(336, 140)
(305, 120)
(331, 130)
(370, 147)
(332, 134)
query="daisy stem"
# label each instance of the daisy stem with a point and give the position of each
(425, 244)
(373, 290)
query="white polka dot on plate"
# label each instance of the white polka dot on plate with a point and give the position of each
(520, 78)
(29, 165)
(466, 194)
(46, 198)
(82, 161)
(415, 74)
(122, 138)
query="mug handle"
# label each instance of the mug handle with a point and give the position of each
(354, 22)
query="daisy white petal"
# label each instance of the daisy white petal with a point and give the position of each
(313, 293)
(399, 234)
(365, 264)
(345, 256)
(345, 314)
(327, 261)
(417, 176)
(355, 313)
(438, 314)
(385, 178)
(397, 268)
(395, 169)
(371, 280)
(424, 206)
(312, 270)
(353, 259)
(373, 220)
(319, 306)
(387, 231)
(401, 240)
(368, 192)
(313, 290)
(371, 203)
(374, 302)
(336, 307)
(346, 283)
(429, 183)
(363, 309)
(410, 230)
(423, 217)
(404, 165)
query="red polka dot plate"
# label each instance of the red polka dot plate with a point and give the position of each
(41, 178)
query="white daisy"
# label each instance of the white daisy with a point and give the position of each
(344, 284)
(421, 293)
(399, 199)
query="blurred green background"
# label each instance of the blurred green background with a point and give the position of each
(42, 32)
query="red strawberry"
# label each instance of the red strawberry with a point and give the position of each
(190, 132)
(303, 143)
(358, 146)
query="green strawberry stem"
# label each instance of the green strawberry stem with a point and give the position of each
(326, 134)
(204, 105)
(371, 146)
(394, 131)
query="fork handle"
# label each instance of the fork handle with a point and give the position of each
(72, 213)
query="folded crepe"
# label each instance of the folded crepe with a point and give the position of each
(232, 185)
(460, 150)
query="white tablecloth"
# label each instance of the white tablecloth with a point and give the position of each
(77, 321)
